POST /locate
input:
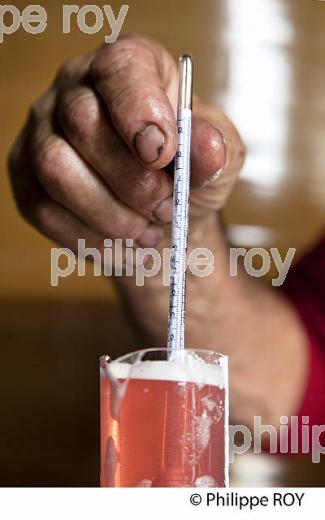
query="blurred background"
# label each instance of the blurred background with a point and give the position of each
(262, 61)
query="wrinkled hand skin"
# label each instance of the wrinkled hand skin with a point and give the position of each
(94, 158)
(94, 161)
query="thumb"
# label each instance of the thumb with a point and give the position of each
(217, 155)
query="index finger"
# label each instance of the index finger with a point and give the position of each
(138, 81)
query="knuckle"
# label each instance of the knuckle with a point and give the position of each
(79, 113)
(140, 189)
(123, 229)
(112, 63)
(111, 58)
(132, 230)
(50, 162)
(127, 227)
(146, 189)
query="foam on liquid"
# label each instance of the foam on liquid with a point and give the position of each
(188, 371)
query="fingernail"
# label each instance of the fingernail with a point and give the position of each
(164, 211)
(219, 144)
(149, 143)
(213, 177)
(151, 237)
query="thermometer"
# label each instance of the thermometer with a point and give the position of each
(176, 321)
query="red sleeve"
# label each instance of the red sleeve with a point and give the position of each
(305, 287)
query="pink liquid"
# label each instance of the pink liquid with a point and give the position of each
(162, 434)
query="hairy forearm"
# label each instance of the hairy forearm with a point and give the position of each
(238, 316)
